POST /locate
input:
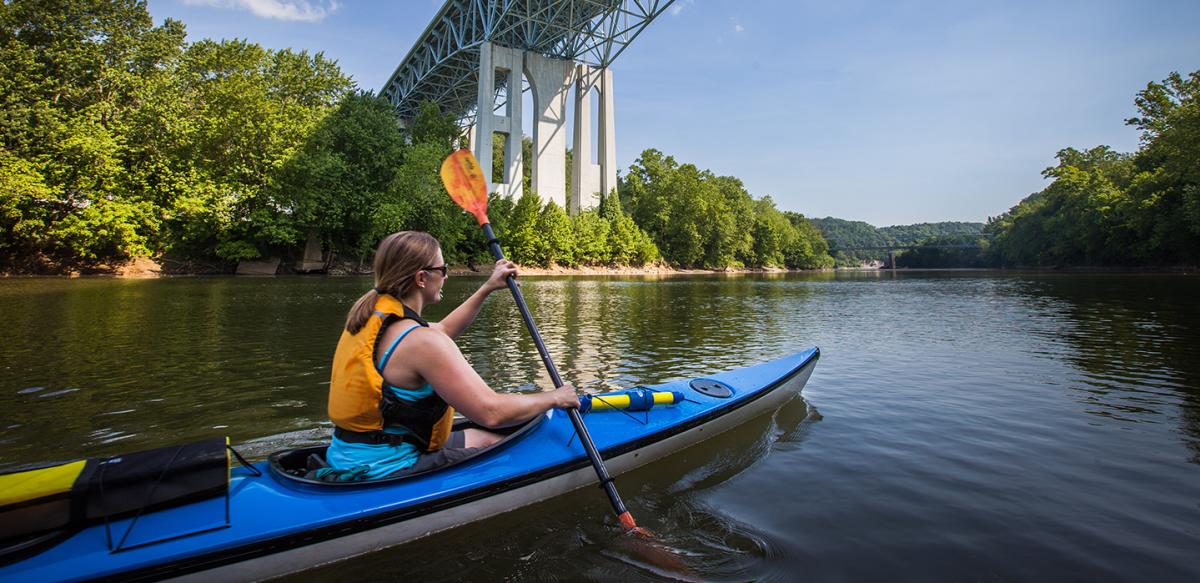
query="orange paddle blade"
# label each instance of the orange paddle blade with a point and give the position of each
(465, 182)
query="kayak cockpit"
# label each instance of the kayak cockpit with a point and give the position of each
(299, 465)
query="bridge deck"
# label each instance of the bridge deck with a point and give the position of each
(443, 64)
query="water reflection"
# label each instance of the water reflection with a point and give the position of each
(977, 425)
(1133, 340)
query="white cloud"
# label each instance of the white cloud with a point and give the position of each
(302, 10)
(680, 5)
(737, 26)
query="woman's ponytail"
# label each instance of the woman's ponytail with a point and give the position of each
(397, 260)
(361, 312)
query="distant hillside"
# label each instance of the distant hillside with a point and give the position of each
(926, 232)
(843, 234)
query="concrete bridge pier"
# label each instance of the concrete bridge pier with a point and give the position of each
(494, 58)
(550, 81)
(589, 180)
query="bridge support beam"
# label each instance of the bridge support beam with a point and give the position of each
(550, 81)
(494, 58)
(588, 180)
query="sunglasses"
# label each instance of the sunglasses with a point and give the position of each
(444, 268)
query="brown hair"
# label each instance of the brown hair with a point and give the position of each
(397, 260)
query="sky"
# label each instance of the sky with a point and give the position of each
(889, 112)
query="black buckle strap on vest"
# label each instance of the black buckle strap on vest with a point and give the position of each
(378, 437)
(418, 417)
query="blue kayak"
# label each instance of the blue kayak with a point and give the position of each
(275, 521)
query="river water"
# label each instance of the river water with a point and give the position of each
(959, 426)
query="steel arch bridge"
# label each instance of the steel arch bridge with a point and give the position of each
(443, 64)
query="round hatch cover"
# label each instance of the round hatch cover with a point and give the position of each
(712, 388)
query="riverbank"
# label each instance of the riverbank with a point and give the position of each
(148, 268)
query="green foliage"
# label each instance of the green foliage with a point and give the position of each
(699, 219)
(252, 110)
(433, 127)
(848, 239)
(808, 250)
(72, 75)
(591, 238)
(771, 235)
(1108, 208)
(340, 183)
(557, 236)
(921, 233)
(949, 256)
(108, 228)
(524, 241)
(26, 207)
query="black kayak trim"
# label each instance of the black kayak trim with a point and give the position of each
(349, 527)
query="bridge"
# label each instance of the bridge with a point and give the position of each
(471, 61)
(892, 249)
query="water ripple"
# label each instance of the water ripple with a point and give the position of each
(971, 425)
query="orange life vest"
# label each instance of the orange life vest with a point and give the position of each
(360, 406)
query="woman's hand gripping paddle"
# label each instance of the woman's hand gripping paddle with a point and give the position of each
(465, 182)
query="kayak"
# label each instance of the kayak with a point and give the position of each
(274, 520)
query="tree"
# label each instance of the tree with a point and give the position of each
(251, 110)
(1167, 182)
(809, 249)
(557, 235)
(526, 243)
(694, 217)
(591, 238)
(72, 75)
(344, 173)
(1073, 220)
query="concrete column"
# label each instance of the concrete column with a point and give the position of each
(608, 135)
(483, 111)
(511, 61)
(585, 176)
(494, 58)
(550, 81)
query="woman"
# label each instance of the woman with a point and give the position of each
(398, 379)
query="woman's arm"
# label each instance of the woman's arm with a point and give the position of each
(457, 321)
(438, 360)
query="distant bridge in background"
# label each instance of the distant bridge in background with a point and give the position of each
(892, 249)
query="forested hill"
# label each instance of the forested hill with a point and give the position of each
(843, 234)
(926, 232)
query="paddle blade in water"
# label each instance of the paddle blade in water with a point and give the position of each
(465, 182)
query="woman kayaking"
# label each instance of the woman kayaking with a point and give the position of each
(397, 379)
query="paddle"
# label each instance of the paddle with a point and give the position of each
(465, 182)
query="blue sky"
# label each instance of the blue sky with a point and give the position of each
(888, 112)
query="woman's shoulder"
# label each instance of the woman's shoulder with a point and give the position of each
(425, 337)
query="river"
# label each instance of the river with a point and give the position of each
(959, 426)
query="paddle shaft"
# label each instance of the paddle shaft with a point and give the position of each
(606, 481)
